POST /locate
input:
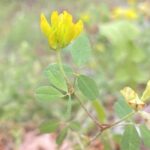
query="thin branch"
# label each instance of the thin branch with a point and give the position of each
(87, 112)
(123, 119)
(105, 127)
(61, 66)
(95, 137)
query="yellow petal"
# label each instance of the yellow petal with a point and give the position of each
(78, 28)
(53, 41)
(45, 27)
(54, 18)
(61, 34)
(146, 93)
(67, 17)
(70, 34)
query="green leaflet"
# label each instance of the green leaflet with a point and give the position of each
(122, 108)
(88, 87)
(130, 139)
(99, 110)
(80, 50)
(145, 134)
(50, 126)
(55, 76)
(48, 93)
(62, 136)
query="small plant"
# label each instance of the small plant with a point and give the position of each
(68, 84)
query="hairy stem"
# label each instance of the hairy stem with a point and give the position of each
(60, 65)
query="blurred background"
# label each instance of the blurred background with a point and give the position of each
(119, 32)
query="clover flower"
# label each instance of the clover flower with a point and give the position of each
(124, 13)
(130, 2)
(61, 30)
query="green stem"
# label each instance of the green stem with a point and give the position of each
(123, 119)
(112, 125)
(94, 138)
(60, 65)
(69, 107)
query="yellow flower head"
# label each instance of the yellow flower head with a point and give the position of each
(124, 13)
(118, 12)
(131, 14)
(131, 1)
(61, 30)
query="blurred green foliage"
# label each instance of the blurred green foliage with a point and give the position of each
(124, 61)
